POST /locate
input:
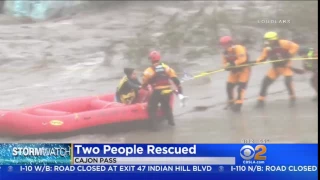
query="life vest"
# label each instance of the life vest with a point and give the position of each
(232, 57)
(312, 53)
(311, 65)
(279, 53)
(125, 94)
(128, 98)
(161, 79)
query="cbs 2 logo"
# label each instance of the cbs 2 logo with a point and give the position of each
(247, 152)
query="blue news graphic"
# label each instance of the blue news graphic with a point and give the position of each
(279, 154)
(35, 154)
(272, 161)
(255, 155)
(134, 150)
(268, 154)
(158, 169)
(118, 168)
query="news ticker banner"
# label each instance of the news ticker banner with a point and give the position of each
(174, 158)
(158, 169)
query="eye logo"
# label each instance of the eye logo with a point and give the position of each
(247, 152)
(10, 169)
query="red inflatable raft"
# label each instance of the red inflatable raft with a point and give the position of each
(72, 114)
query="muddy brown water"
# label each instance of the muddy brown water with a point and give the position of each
(277, 123)
(47, 61)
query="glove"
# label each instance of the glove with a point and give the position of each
(144, 88)
(182, 99)
(180, 96)
(179, 90)
(307, 65)
(147, 88)
(229, 65)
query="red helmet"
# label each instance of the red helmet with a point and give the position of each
(225, 40)
(154, 56)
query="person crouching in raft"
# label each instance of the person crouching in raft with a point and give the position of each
(129, 85)
(277, 49)
(233, 56)
(158, 75)
(311, 66)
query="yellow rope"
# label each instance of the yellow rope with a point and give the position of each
(207, 73)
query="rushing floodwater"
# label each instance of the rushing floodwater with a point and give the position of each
(82, 56)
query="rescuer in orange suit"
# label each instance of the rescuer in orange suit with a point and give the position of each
(277, 49)
(158, 75)
(233, 56)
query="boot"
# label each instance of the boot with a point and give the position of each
(292, 103)
(171, 123)
(229, 105)
(236, 107)
(170, 118)
(260, 104)
(315, 99)
(153, 126)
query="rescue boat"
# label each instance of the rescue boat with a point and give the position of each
(73, 114)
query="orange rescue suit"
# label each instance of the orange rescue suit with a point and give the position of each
(158, 76)
(238, 55)
(283, 49)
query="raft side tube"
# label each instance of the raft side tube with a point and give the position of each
(101, 104)
(47, 112)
